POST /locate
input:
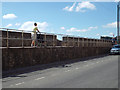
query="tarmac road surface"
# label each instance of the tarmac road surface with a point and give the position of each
(94, 73)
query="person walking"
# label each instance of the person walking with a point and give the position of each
(34, 35)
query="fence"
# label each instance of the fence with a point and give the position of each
(21, 38)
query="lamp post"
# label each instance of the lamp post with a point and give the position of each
(118, 22)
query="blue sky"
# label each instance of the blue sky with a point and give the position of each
(84, 19)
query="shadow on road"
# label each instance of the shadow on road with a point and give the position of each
(61, 64)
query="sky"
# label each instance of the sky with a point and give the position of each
(84, 19)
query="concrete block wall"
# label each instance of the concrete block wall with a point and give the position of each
(16, 39)
(85, 42)
(50, 40)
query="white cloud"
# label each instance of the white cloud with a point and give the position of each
(90, 28)
(85, 5)
(81, 30)
(81, 7)
(98, 34)
(63, 28)
(116, 0)
(9, 16)
(17, 24)
(103, 0)
(111, 34)
(29, 25)
(110, 25)
(68, 8)
(9, 25)
(104, 35)
(72, 29)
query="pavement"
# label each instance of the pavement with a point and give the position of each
(99, 72)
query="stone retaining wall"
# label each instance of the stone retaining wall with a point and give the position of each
(13, 58)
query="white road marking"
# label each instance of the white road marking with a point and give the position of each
(19, 83)
(67, 71)
(85, 61)
(11, 85)
(39, 78)
(53, 74)
(76, 68)
(97, 62)
(86, 65)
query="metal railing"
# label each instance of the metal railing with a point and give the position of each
(48, 39)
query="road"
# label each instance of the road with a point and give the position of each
(94, 73)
